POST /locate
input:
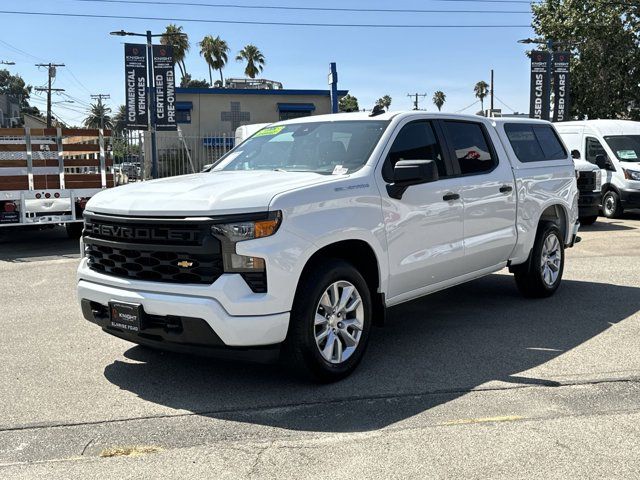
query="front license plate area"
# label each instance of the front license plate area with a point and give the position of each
(125, 316)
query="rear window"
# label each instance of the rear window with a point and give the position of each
(535, 143)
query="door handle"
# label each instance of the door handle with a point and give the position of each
(506, 188)
(450, 196)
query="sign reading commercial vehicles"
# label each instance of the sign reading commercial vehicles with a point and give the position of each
(539, 99)
(562, 100)
(165, 84)
(135, 65)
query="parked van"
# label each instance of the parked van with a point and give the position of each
(614, 146)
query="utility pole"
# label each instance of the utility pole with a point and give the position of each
(491, 91)
(415, 97)
(100, 97)
(51, 69)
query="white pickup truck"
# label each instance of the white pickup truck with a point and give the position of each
(299, 238)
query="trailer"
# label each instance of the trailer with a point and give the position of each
(47, 175)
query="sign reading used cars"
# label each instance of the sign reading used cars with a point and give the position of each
(539, 98)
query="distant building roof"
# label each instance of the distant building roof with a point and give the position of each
(253, 91)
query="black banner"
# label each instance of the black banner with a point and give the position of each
(135, 67)
(562, 99)
(165, 87)
(539, 98)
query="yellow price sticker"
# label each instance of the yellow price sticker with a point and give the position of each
(269, 131)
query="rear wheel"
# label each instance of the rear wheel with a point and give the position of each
(542, 274)
(611, 205)
(590, 220)
(74, 229)
(330, 321)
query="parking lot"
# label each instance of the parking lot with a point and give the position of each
(472, 382)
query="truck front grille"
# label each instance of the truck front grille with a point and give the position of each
(157, 250)
(586, 181)
(156, 266)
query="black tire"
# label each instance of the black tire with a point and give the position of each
(301, 352)
(529, 276)
(611, 205)
(74, 229)
(590, 220)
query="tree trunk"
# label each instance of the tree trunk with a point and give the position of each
(221, 79)
(210, 77)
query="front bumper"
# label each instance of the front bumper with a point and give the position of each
(630, 198)
(589, 204)
(204, 323)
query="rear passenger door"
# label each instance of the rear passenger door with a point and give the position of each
(488, 193)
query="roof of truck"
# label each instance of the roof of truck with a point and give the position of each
(604, 127)
(386, 116)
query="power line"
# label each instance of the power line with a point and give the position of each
(512, 109)
(415, 97)
(244, 22)
(467, 107)
(21, 52)
(82, 85)
(51, 73)
(316, 9)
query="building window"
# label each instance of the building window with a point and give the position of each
(290, 115)
(183, 116)
(288, 111)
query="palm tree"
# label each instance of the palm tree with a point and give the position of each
(173, 35)
(481, 90)
(254, 58)
(384, 102)
(119, 120)
(98, 116)
(439, 98)
(220, 49)
(207, 46)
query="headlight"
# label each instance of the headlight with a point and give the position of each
(631, 174)
(231, 233)
(598, 186)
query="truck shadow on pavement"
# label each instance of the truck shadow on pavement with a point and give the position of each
(430, 352)
(24, 245)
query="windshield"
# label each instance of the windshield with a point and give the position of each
(625, 147)
(320, 147)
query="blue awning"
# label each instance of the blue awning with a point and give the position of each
(184, 105)
(296, 107)
(218, 141)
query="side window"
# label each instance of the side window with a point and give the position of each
(534, 142)
(593, 148)
(416, 141)
(470, 147)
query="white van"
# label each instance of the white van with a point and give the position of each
(613, 145)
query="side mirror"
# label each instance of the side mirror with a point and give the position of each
(575, 154)
(603, 162)
(411, 172)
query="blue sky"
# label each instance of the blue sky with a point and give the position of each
(371, 62)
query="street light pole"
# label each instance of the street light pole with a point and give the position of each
(151, 101)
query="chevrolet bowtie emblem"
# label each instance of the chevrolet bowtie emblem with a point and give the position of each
(185, 264)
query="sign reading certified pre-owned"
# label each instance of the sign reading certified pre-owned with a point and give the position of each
(135, 65)
(165, 87)
(539, 103)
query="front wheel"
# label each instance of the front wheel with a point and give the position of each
(611, 205)
(330, 321)
(542, 274)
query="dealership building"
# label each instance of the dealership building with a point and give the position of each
(204, 112)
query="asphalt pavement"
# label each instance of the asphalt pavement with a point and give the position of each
(472, 382)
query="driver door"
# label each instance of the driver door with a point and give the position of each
(424, 228)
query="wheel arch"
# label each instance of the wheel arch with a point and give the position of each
(363, 257)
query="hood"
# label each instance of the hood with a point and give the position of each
(202, 194)
(583, 165)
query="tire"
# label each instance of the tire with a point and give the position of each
(611, 205)
(311, 320)
(590, 220)
(74, 229)
(537, 278)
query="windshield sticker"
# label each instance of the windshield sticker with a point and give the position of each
(265, 132)
(627, 155)
(339, 170)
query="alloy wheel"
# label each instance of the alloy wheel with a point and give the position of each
(551, 259)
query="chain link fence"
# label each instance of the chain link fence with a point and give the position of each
(177, 154)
